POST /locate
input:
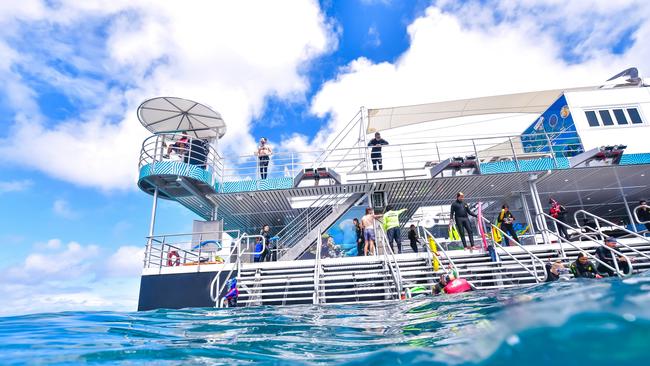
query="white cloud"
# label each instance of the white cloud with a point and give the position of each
(62, 208)
(231, 55)
(374, 38)
(470, 49)
(58, 277)
(15, 185)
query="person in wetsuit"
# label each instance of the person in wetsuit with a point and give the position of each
(555, 271)
(269, 253)
(460, 212)
(558, 212)
(413, 239)
(605, 254)
(507, 221)
(644, 214)
(583, 268)
(375, 152)
(358, 230)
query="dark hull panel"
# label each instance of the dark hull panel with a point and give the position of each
(176, 291)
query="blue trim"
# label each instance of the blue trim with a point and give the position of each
(176, 168)
(531, 165)
(635, 159)
(256, 185)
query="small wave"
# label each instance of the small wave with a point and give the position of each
(604, 322)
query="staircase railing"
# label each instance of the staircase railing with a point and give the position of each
(302, 224)
(426, 234)
(599, 219)
(317, 267)
(390, 260)
(533, 257)
(216, 282)
(565, 241)
(636, 214)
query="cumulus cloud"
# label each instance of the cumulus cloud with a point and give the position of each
(59, 276)
(230, 55)
(62, 208)
(470, 49)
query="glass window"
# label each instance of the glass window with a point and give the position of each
(635, 117)
(606, 117)
(592, 119)
(620, 116)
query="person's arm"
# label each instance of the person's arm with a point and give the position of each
(451, 214)
(269, 151)
(372, 142)
(469, 212)
(383, 142)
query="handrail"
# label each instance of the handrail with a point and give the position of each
(532, 256)
(564, 240)
(395, 272)
(237, 266)
(636, 216)
(597, 218)
(317, 267)
(441, 249)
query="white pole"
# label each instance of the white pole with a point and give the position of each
(152, 223)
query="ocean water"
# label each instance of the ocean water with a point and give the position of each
(580, 322)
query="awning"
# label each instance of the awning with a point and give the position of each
(529, 102)
(171, 114)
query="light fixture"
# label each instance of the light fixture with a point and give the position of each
(643, 175)
(491, 185)
(588, 198)
(566, 180)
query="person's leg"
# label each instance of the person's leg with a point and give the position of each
(375, 164)
(398, 238)
(605, 270)
(624, 267)
(414, 246)
(461, 232)
(264, 167)
(470, 234)
(381, 167)
(510, 230)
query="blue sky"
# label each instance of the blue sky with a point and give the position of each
(72, 75)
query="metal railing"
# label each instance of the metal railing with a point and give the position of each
(317, 267)
(533, 257)
(390, 261)
(219, 287)
(170, 250)
(565, 241)
(636, 214)
(440, 248)
(403, 160)
(599, 219)
(180, 147)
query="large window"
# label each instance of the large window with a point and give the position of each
(606, 117)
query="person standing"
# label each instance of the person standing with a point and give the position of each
(368, 226)
(391, 226)
(460, 213)
(269, 253)
(507, 221)
(413, 238)
(558, 212)
(644, 214)
(375, 152)
(264, 153)
(359, 235)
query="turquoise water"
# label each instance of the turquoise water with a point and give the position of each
(603, 322)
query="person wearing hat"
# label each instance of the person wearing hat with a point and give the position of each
(607, 255)
(460, 213)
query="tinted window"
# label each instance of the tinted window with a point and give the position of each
(634, 115)
(592, 119)
(620, 116)
(606, 118)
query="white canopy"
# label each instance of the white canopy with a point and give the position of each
(171, 114)
(529, 102)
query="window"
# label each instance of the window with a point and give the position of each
(592, 119)
(620, 116)
(635, 117)
(606, 117)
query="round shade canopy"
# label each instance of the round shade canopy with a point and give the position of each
(171, 114)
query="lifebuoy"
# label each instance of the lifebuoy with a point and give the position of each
(170, 258)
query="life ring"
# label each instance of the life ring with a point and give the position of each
(170, 261)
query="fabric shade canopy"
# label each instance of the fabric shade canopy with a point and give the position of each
(171, 114)
(529, 102)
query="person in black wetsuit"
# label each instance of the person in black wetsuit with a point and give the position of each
(413, 239)
(460, 212)
(558, 212)
(644, 214)
(604, 254)
(507, 221)
(583, 268)
(359, 235)
(375, 152)
(269, 253)
(555, 271)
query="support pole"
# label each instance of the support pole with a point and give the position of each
(529, 219)
(532, 183)
(152, 224)
(627, 206)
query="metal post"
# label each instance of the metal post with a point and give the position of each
(627, 206)
(532, 182)
(152, 224)
(529, 219)
(366, 156)
(514, 154)
(402, 158)
(550, 149)
(478, 161)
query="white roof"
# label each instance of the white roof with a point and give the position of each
(171, 114)
(529, 102)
